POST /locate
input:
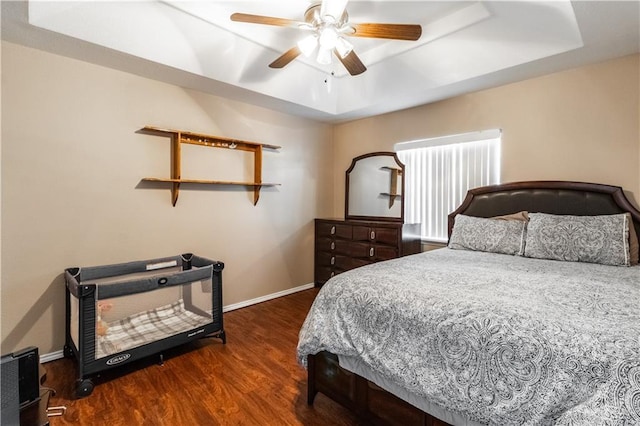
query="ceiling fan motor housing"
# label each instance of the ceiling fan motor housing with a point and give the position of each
(312, 16)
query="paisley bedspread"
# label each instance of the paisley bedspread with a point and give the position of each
(498, 339)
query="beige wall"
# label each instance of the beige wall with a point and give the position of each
(71, 195)
(581, 124)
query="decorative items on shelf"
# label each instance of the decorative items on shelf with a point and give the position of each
(179, 137)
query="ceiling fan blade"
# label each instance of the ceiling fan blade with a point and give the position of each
(390, 31)
(265, 20)
(352, 63)
(285, 58)
(334, 8)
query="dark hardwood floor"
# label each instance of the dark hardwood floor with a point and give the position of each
(252, 380)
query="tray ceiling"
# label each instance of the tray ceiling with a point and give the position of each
(465, 46)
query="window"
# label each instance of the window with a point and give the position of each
(439, 171)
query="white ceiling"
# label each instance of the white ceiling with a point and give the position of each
(465, 46)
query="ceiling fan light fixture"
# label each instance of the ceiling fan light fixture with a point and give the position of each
(343, 47)
(328, 37)
(324, 56)
(308, 44)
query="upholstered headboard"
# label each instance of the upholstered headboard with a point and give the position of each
(554, 197)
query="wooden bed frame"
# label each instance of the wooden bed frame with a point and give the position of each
(377, 406)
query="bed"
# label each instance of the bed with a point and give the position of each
(476, 336)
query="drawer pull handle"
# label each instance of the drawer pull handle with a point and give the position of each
(371, 252)
(332, 274)
(333, 230)
(333, 245)
(373, 235)
(333, 260)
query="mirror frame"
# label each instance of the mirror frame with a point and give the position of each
(347, 216)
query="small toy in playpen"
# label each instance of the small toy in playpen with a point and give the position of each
(101, 325)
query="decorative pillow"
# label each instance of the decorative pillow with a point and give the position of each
(490, 235)
(634, 250)
(522, 216)
(595, 239)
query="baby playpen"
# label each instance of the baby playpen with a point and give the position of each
(123, 312)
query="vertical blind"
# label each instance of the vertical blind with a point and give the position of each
(438, 173)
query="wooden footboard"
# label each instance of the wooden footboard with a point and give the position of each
(367, 400)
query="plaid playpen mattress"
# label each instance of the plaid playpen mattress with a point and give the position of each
(149, 326)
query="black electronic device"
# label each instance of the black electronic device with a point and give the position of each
(9, 376)
(29, 369)
(20, 382)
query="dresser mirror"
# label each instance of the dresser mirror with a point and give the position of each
(375, 187)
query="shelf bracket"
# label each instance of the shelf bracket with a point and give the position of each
(257, 173)
(176, 160)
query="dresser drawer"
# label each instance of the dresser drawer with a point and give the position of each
(333, 246)
(385, 252)
(336, 230)
(377, 235)
(325, 244)
(335, 261)
(324, 273)
(360, 250)
(372, 251)
(356, 263)
(342, 247)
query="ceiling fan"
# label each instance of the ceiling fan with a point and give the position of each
(328, 23)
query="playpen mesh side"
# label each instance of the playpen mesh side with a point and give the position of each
(74, 325)
(130, 321)
(145, 326)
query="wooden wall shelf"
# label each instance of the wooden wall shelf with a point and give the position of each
(179, 137)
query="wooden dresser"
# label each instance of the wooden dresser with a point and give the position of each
(341, 245)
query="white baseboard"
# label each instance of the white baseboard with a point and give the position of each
(267, 297)
(52, 356)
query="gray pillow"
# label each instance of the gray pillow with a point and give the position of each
(490, 235)
(595, 239)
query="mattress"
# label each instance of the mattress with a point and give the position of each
(490, 338)
(148, 326)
